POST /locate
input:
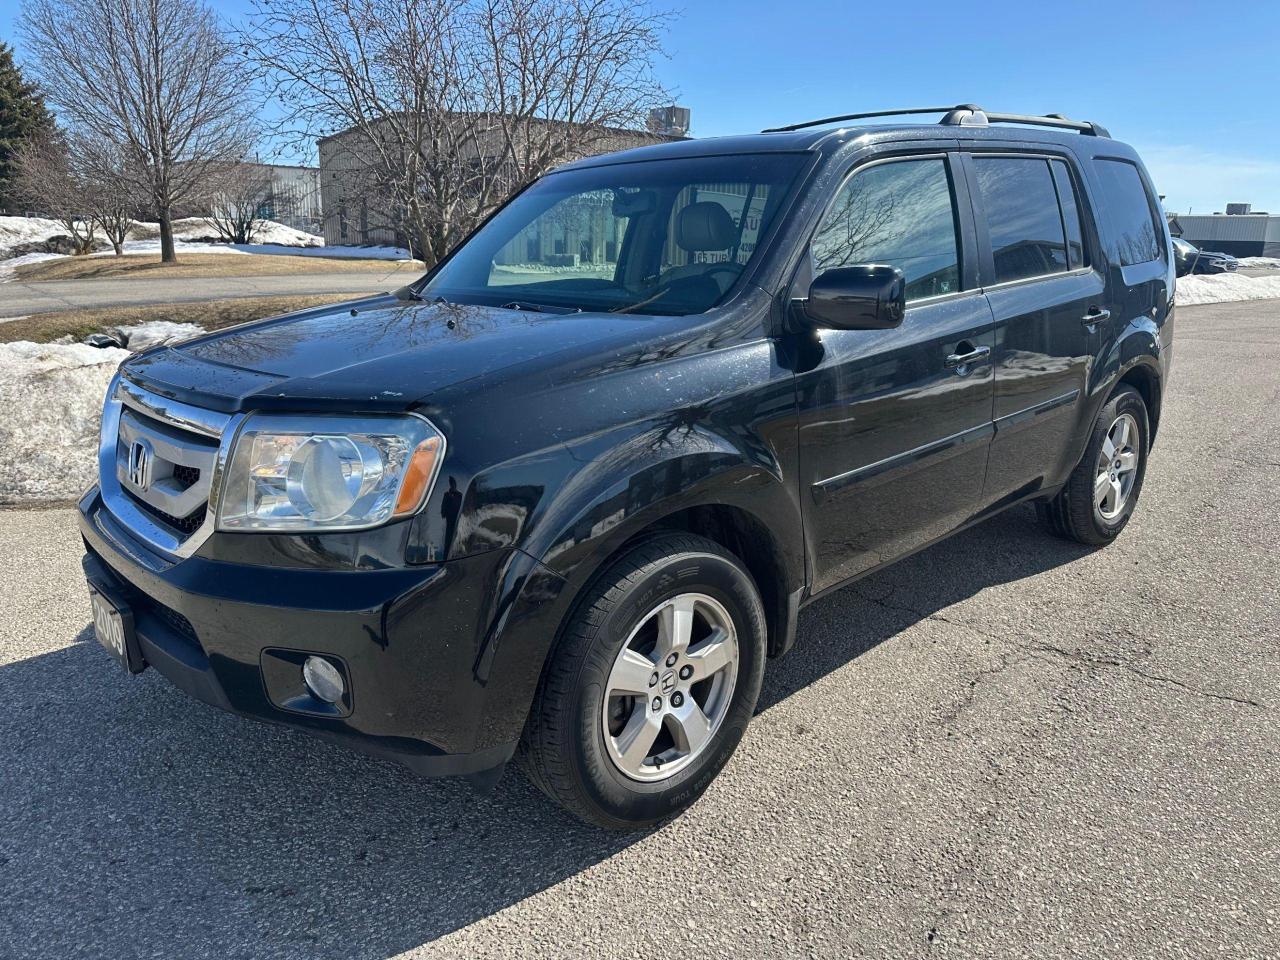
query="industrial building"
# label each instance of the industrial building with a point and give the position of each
(356, 210)
(1240, 231)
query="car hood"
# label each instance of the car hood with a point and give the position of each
(381, 353)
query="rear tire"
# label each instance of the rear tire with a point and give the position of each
(650, 686)
(1102, 491)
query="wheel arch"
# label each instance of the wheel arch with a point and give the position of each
(1144, 378)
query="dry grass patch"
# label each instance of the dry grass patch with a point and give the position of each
(199, 265)
(211, 314)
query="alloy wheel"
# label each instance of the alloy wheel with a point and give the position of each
(1117, 468)
(670, 687)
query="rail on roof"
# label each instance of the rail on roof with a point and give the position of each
(960, 115)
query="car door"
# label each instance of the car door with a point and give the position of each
(1048, 301)
(894, 425)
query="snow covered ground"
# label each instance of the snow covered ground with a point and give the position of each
(193, 235)
(1273, 262)
(8, 268)
(1225, 288)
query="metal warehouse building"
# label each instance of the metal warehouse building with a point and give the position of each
(1242, 235)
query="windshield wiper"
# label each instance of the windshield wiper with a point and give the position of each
(538, 307)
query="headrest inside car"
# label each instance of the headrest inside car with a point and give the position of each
(705, 226)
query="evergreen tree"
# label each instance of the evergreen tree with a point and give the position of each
(22, 115)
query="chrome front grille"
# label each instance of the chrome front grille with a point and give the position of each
(155, 463)
(159, 464)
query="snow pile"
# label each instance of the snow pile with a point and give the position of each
(1226, 288)
(1273, 262)
(49, 452)
(202, 229)
(280, 235)
(16, 231)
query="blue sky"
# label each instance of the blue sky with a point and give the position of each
(1193, 90)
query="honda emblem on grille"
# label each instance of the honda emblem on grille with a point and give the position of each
(141, 461)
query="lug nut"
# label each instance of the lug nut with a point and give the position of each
(686, 672)
(671, 660)
(657, 703)
(677, 699)
(653, 681)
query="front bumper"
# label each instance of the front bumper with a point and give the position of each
(409, 637)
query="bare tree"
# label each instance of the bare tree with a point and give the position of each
(237, 196)
(444, 107)
(155, 79)
(77, 182)
(49, 182)
(110, 187)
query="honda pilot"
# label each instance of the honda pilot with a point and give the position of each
(562, 499)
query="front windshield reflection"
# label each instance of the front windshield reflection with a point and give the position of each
(659, 237)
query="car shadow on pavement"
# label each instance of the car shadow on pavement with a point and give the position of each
(137, 822)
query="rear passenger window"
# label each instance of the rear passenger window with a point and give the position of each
(1024, 220)
(1127, 209)
(1070, 213)
(901, 214)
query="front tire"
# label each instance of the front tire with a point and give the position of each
(1101, 493)
(651, 684)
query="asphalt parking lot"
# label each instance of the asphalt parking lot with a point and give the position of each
(1005, 746)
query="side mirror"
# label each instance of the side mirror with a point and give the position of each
(1184, 258)
(863, 297)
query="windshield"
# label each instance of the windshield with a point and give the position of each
(657, 237)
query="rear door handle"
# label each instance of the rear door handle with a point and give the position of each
(1095, 315)
(969, 358)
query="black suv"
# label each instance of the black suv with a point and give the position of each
(561, 498)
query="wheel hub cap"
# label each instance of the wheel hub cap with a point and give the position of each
(670, 687)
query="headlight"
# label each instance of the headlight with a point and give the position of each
(327, 473)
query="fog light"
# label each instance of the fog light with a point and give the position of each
(322, 679)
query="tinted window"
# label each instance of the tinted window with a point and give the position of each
(660, 237)
(1023, 218)
(1128, 211)
(1070, 204)
(899, 213)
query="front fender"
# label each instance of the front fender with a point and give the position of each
(624, 482)
(630, 478)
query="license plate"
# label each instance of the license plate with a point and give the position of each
(113, 626)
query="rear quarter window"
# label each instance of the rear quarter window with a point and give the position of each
(1128, 212)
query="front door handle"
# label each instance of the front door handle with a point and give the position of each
(963, 361)
(1095, 315)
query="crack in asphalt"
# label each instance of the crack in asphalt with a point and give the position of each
(1033, 646)
(1031, 650)
(1085, 659)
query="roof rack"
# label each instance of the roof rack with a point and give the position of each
(961, 115)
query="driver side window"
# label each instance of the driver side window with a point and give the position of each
(900, 213)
